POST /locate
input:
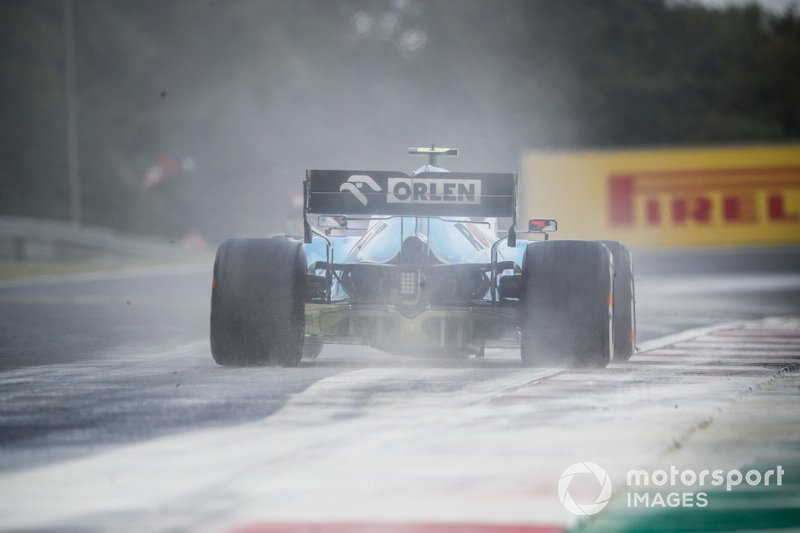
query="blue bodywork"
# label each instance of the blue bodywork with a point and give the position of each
(450, 241)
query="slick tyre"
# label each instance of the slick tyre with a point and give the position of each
(566, 317)
(257, 302)
(624, 301)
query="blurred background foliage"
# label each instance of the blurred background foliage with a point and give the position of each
(202, 115)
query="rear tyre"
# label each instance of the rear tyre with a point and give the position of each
(624, 301)
(257, 302)
(566, 312)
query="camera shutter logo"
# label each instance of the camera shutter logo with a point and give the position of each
(588, 508)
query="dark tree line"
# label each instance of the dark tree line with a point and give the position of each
(239, 97)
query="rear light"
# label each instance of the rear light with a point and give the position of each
(409, 283)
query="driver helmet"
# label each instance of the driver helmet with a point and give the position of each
(428, 168)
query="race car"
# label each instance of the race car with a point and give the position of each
(417, 265)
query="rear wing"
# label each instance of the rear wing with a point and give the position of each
(387, 193)
(358, 192)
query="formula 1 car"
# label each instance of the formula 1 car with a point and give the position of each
(413, 264)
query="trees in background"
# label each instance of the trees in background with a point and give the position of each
(238, 98)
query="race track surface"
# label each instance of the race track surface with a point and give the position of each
(113, 415)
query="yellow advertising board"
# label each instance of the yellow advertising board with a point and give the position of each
(745, 195)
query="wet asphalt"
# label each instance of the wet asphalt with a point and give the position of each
(94, 363)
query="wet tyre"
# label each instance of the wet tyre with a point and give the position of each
(257, 302)
(624, 301)
(566, 317)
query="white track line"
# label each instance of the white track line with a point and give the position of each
(668, 340)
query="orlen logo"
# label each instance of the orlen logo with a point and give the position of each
(355, 183)
(433, 191)
(581, 470)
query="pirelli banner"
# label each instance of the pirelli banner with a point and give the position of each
(745, 195)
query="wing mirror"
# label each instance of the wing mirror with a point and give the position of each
(542, 225)
(335, 222)
(342, 225)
